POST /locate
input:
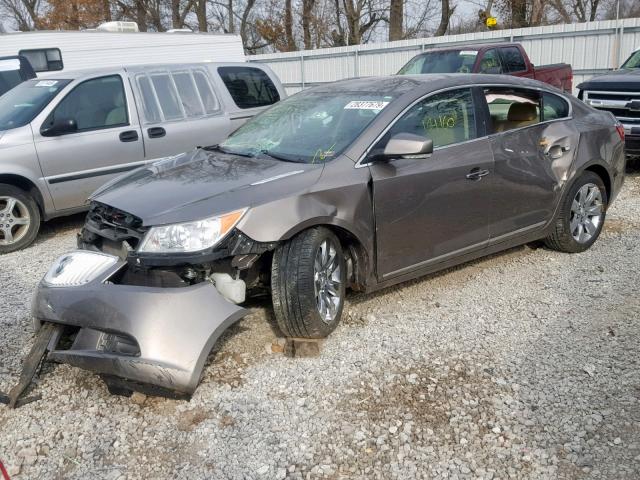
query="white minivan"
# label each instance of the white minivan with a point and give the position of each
(65, 135)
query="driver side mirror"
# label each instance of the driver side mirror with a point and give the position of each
(405, 145)
(61, 126)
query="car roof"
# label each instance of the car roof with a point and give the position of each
(398, 85)
(81, 73)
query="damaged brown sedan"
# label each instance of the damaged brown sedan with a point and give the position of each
(359, 185)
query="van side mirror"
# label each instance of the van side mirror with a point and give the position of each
(60, 126)
(403, 145)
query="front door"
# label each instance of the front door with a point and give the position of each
(432, 209)
(107, 142)
(533, 148)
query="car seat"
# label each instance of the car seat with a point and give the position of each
(519, 115)
(117, 115)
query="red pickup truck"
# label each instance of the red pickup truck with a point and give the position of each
(506, 58)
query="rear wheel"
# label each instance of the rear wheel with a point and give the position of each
(308, 277)
(581, 216)
(19, 218)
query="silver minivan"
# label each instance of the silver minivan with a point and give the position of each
(65, 135)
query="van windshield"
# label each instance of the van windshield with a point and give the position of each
(310, 127)
(21, 104)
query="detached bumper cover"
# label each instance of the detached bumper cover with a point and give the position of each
(154, 336)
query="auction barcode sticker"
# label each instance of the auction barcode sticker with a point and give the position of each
(365, 105)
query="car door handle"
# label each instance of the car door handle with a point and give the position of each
(477, 174)
(129, 136)
(156, 132)
(556, 151)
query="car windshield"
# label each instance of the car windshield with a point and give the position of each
(633, 61)
(21, 104)
(310, 127)
(448, 61)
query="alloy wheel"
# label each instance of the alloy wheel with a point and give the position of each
(586, 213)
(327, 281)
(14, 220)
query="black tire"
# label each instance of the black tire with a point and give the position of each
(561, 237)
(31, 231)
(293, 288)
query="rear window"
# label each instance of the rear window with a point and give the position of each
(249, 87)
(44, 59)
(176, 95)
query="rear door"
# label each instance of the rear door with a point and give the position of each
(180, 110)
(108, 140)
(533, 142)
(428, 210)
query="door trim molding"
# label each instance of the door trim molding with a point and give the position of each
(95, 173)
(438, 259)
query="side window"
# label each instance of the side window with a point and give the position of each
(445, 118)
(203, 85)
(188, 94)
(249, 87)
(150, 106)
(176, 95)
(44, 59)
(490, 62)
(94, 104)
(512, 59)
(167, 96)
(512, 108)
(554, 107)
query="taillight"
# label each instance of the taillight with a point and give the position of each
(620, 129)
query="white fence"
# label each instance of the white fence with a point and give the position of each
(591, 48)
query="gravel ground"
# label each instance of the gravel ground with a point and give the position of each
(521, 365)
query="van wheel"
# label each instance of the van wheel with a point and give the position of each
(581, 216)
(19, 219)
(308, 277)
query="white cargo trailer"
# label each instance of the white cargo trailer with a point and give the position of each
(49, 51)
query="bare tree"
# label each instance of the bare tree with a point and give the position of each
(307, 20)
(179, 11)
(396, 19)
(26, 14)
(288, 27)
(445, 16)
(360, 18)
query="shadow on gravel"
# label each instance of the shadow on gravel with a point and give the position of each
(357, 298)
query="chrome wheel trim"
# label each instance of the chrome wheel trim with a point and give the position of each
(327, 281)
(14, 220)
(586, 213)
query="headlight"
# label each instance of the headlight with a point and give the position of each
(78, 268)
(189, 236)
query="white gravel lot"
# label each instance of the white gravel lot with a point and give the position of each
(523, 365)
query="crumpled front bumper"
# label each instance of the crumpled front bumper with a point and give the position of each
(144, 335)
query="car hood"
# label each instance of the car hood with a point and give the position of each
(203, 183)
(624, 79)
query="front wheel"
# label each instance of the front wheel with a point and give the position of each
(19, 219)
(581, 215)
(308, 277)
